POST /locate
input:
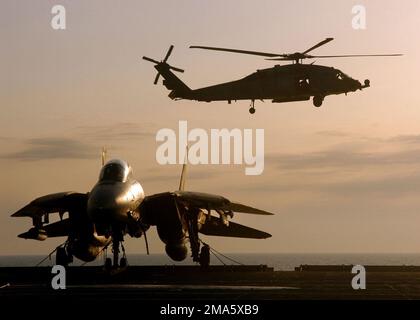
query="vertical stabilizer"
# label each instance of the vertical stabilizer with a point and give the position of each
(103, 156)
(184, 172)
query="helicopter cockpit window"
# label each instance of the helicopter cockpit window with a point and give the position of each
(303, 83)
(115, 171)
(339, 76)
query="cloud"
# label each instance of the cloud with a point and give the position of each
(385, 187)
(7, 139)
(339, 158)
(386, 167)
(319, 160)
(53, 148)
(407, 138)
(393, 186)
(71, 148)
(156, 175)
(404, 138)
(333, 133)
(118, 131)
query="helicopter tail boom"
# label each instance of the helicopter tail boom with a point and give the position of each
(171, 81)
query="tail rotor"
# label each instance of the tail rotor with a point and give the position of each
(163, 63)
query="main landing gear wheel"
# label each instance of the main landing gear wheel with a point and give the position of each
(318, 101)
(205, 256)
(123, 262)
(62, 257)
(108, 264)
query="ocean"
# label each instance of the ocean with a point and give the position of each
(279, 261)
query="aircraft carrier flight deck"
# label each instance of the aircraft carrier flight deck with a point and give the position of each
(259, 282)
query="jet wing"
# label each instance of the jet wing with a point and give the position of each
(58, 229)
(215, 227)
(166, 207)
(215, 202)
(56, 202)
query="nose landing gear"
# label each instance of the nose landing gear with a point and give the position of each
(112, 264)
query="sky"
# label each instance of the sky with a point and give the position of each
(341, 178)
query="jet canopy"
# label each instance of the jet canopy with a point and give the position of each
(115, 170)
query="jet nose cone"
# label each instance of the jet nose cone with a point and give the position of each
(102, 203)
(107, 206)
(102, 217)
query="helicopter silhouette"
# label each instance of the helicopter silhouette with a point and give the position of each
(287, 83)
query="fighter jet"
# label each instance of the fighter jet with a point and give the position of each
(117, 206)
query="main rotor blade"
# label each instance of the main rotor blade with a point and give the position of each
(318, 45)
(359, 55)
(168, 53)
(255, 53)
(282, 59)
(150, 60)
(176, 69)
(339, 56)
(156, 79)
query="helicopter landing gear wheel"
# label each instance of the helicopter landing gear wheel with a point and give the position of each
(318, 101)
(252, 109)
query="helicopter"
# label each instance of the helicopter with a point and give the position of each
(287, 83)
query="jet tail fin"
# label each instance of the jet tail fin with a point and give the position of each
(183, 172)
(103, 155)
